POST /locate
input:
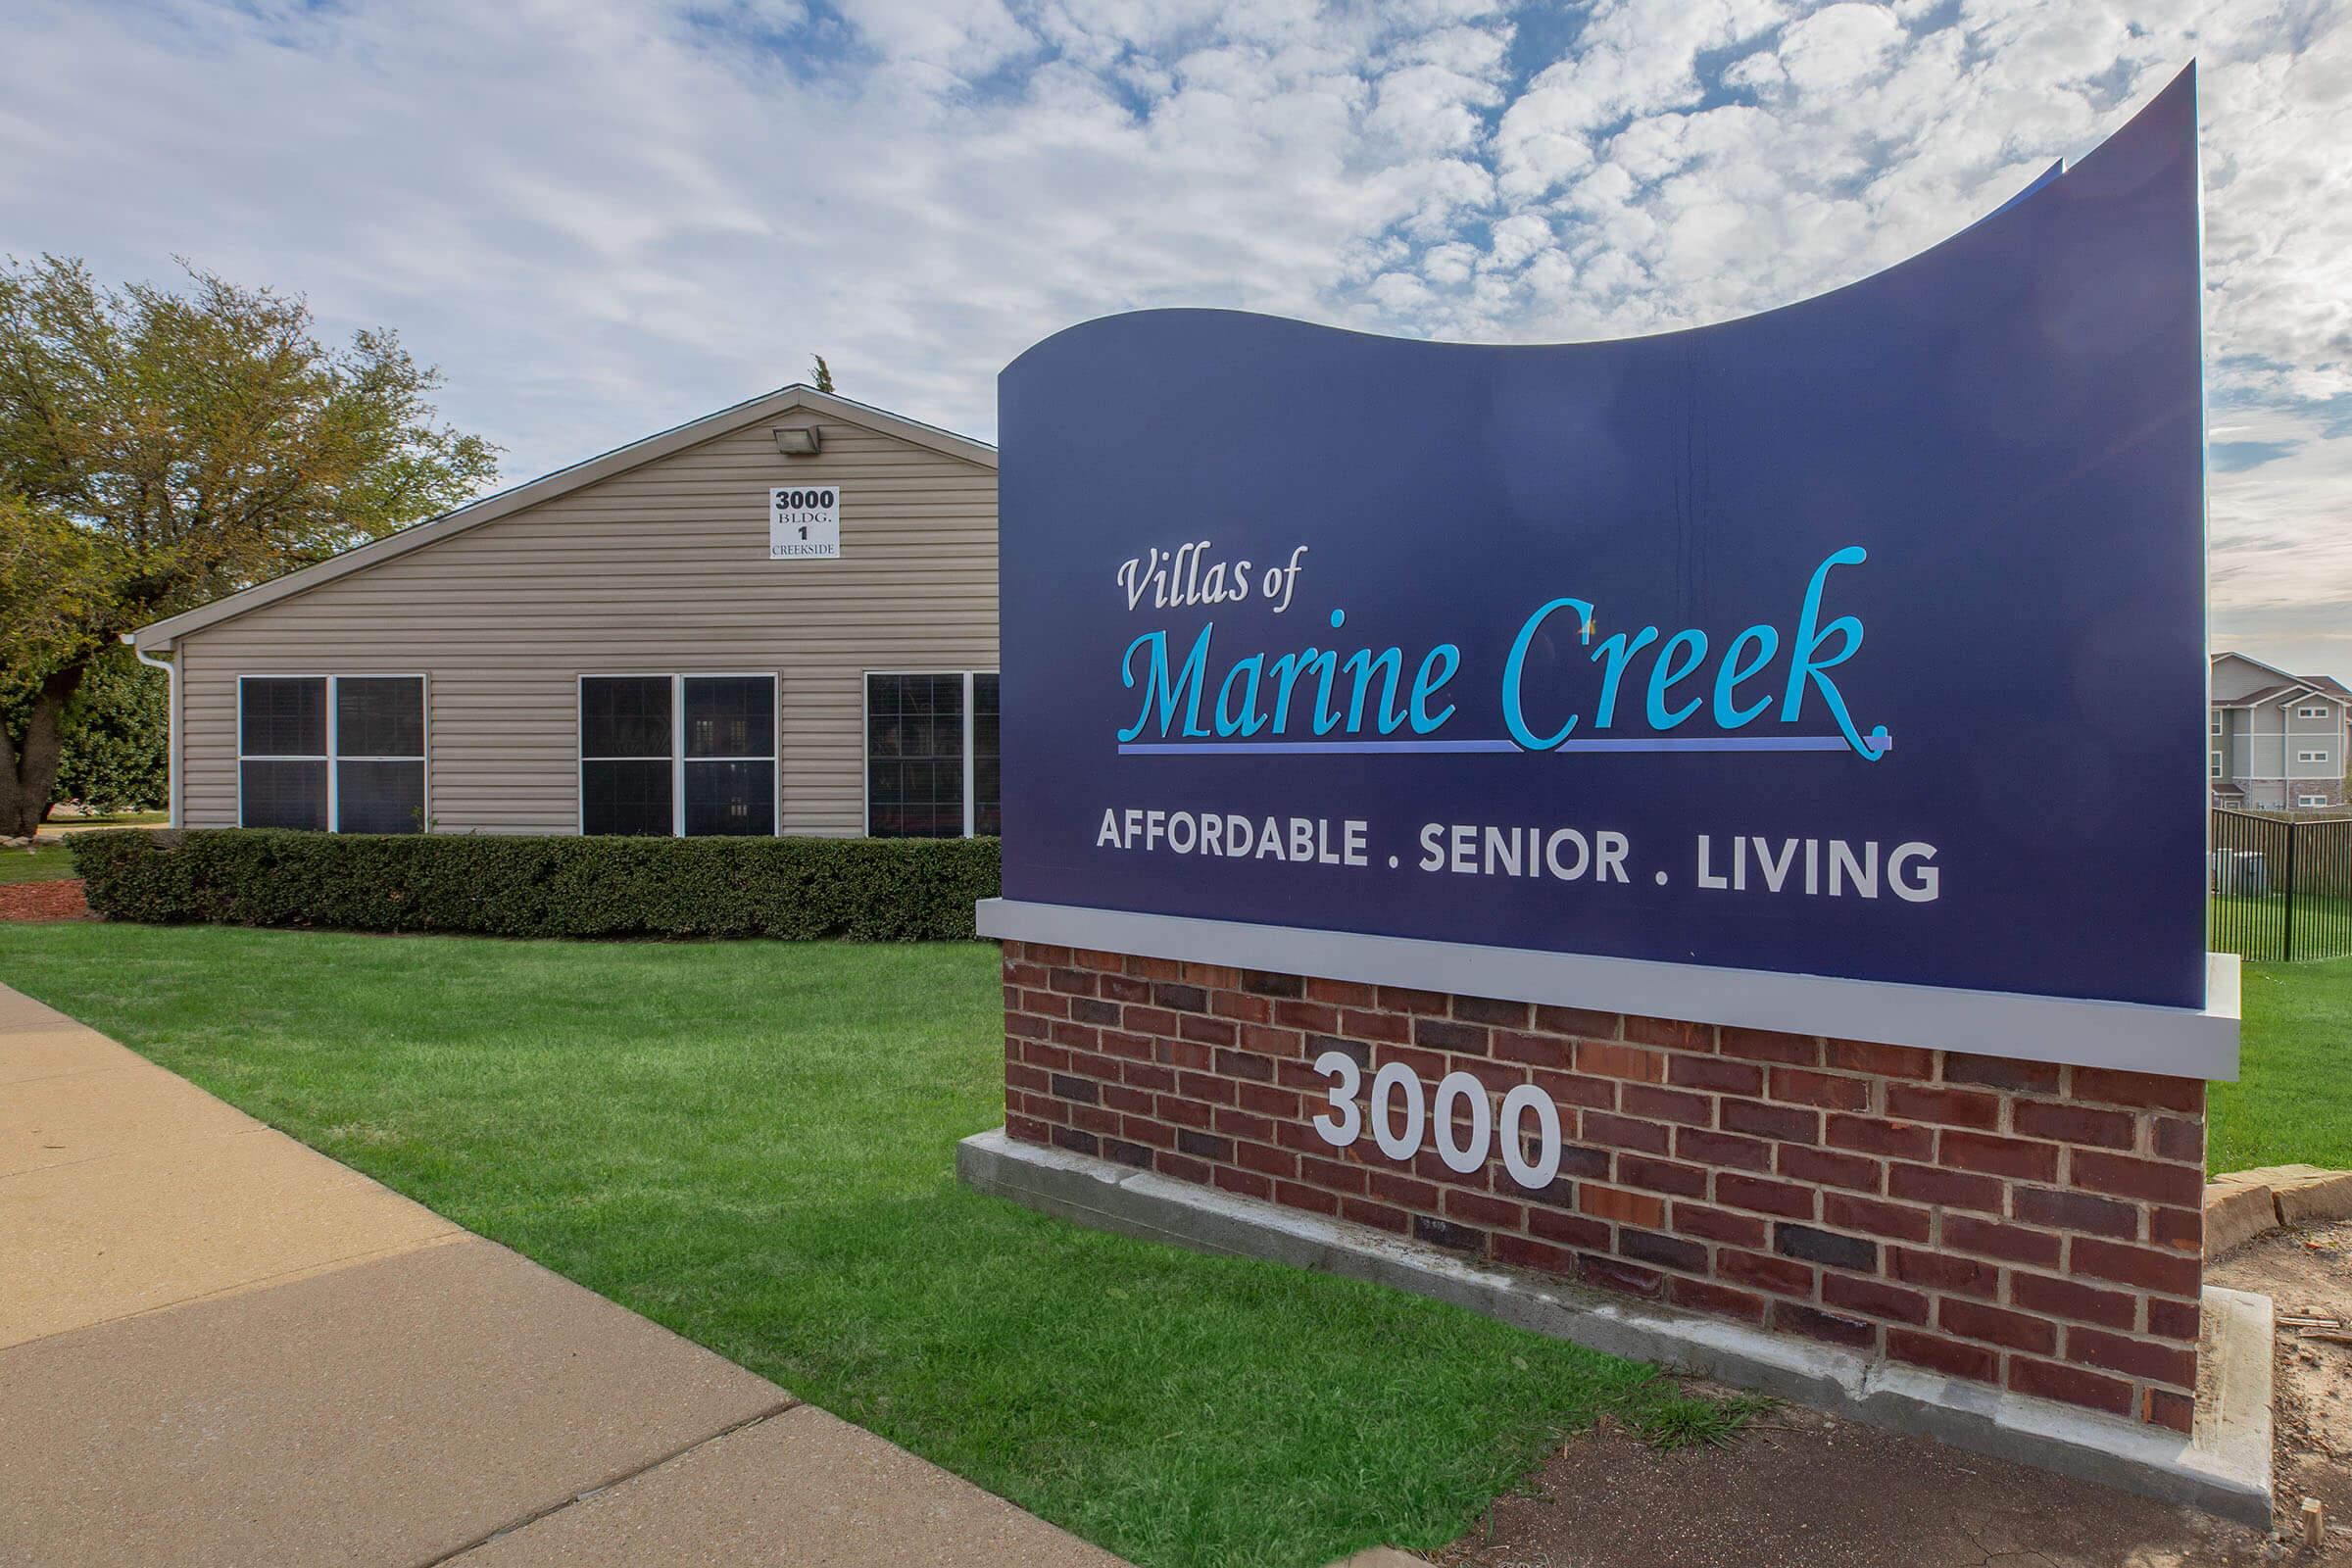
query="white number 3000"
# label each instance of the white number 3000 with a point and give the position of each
(1342, 1124)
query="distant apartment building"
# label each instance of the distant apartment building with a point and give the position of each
(2278, 739)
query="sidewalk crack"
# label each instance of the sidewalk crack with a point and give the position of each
(785, 1407)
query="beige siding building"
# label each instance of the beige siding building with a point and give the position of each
(657, 640)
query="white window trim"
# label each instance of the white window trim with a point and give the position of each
(2216, 722)
(335, 757)
(678, 758)
(2314, 756)
(2314, 711)
(2311, 800)
(2215, 759)
(866, 738)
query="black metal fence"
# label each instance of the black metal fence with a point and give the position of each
(2281, 890)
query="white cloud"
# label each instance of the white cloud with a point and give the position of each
(1447, 264)
(1837, 46)
(604, 215)
(1518, 237)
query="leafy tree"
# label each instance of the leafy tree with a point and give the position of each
(824, 373)
(159, 449)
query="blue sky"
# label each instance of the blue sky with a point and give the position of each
(601, 218)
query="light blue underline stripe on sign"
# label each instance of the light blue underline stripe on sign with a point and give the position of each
(1717, 743)
(1724, 743)
(1302, 748)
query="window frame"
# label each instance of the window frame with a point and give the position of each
(2321, 756)
(2216, 722)
(866, 738)
(2302, 800)
(2214, 760)
(678, 758)
(334, 758)
(2314, 711)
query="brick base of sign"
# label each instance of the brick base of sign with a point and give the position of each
(2019, 1224)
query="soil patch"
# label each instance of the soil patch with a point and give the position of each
(2307, 1272)
(42, 901)
(1800, 1490)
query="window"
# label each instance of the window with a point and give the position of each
(988, 790)
(625, 755)
(281, 752)
(730, 756)
(678, 755)
(2214, 771)
(2313, 711)
(379, 754)
(331, 752)
(2312, 756)
(929, 773)
(2311, 800)
(2217, 721)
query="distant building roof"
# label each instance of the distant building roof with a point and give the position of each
(2286, 686)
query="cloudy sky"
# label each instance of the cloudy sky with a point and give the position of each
(600, 217)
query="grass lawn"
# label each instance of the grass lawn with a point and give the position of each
(753, 1143)
(45, 861)
(2293, 1102)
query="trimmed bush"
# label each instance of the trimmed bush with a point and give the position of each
(861, 889)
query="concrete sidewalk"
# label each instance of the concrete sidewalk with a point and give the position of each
(218, 1347)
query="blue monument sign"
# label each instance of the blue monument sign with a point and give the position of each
(1862, 639)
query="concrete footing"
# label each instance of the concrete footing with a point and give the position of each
(2224, 1467)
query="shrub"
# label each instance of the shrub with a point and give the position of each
(114, 754)
(863, 890)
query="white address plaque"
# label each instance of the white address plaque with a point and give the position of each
(803, 522)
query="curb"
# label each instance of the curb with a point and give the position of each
(2243, 1204)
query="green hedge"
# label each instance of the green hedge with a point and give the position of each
(863, 890)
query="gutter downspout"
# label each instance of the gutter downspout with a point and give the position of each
(170, 669)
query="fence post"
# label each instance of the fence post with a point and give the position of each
(2286, 944)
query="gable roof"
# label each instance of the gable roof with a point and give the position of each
(2250, 658)
(2287, 686)
(160, 635)
(2284, 692)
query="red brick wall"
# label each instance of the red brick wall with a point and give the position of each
(2013, 1222)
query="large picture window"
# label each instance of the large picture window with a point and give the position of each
(678, 755)
(931, 755)
(340, 753)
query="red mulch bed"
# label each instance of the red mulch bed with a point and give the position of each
(42, 901)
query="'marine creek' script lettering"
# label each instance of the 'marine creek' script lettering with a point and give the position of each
(1636, 681)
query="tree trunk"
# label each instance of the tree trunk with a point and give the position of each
(28, 763)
